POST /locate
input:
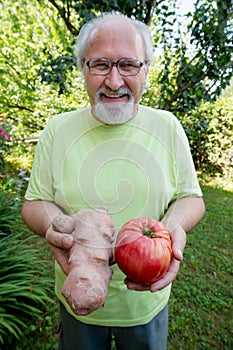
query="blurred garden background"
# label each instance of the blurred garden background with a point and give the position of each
(191, 76)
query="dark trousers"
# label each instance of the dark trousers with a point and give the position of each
(75, 335)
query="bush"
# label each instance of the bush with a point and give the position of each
(25, 283)
(4, 140)
(220, 136)
(210, 132)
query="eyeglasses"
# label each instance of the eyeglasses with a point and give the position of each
(103, 66)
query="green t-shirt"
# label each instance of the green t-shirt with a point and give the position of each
(135, 169)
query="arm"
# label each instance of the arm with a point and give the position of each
(181, 217)
(38, 216)
(186, 212)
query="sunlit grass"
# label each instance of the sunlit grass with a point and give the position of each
(201, 304)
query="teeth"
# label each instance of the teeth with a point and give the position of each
(114, 96)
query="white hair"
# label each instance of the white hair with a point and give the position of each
(85, 35)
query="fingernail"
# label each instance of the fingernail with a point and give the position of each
(67, 240)
(180, 254)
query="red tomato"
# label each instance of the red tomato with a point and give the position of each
(143, 250)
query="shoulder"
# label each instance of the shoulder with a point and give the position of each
(148, 112)
(159, 120)
(65, 117)
(65, 121)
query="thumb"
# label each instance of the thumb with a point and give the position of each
(177, 253)
(58, 239)
(63, 223)
(178, 237)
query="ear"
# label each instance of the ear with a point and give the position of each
(82, 64)
(147, 67)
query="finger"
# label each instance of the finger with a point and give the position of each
(112, 260)
(62, 257)
(178, 237)
(61, 240)
(135, 286)
(168, 278)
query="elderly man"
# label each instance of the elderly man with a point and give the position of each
(130, 158)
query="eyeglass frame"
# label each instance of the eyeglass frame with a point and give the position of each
(112, 64)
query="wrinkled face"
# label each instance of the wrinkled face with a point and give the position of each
(114, 98)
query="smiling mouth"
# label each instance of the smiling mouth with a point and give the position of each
(114, 97)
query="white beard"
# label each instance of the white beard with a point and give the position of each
(116, 112)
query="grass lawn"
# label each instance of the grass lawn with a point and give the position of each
(201, 303)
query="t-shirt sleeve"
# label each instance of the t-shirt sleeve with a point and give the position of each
(186, 178)
(41, 180)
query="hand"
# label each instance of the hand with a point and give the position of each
(60, 240)
(178, 237)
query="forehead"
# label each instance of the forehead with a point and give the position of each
(115, 39)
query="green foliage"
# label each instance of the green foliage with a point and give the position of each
(24, 283)
(220, 137)
(56, 70)
(39, 78)
(32, 40)
(4, 143)
(210, 132)
(196, 59)
(82, 11)
(209, 128)
(196, 124)
(9, 214)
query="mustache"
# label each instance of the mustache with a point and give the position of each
(110, 92)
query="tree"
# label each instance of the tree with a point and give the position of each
(30, 35)
(196, 62)
(193, 60)
(83, 11)
(199, 68)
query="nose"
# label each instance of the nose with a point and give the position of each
(114, 80)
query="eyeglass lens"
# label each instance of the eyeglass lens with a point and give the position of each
(103, 66)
